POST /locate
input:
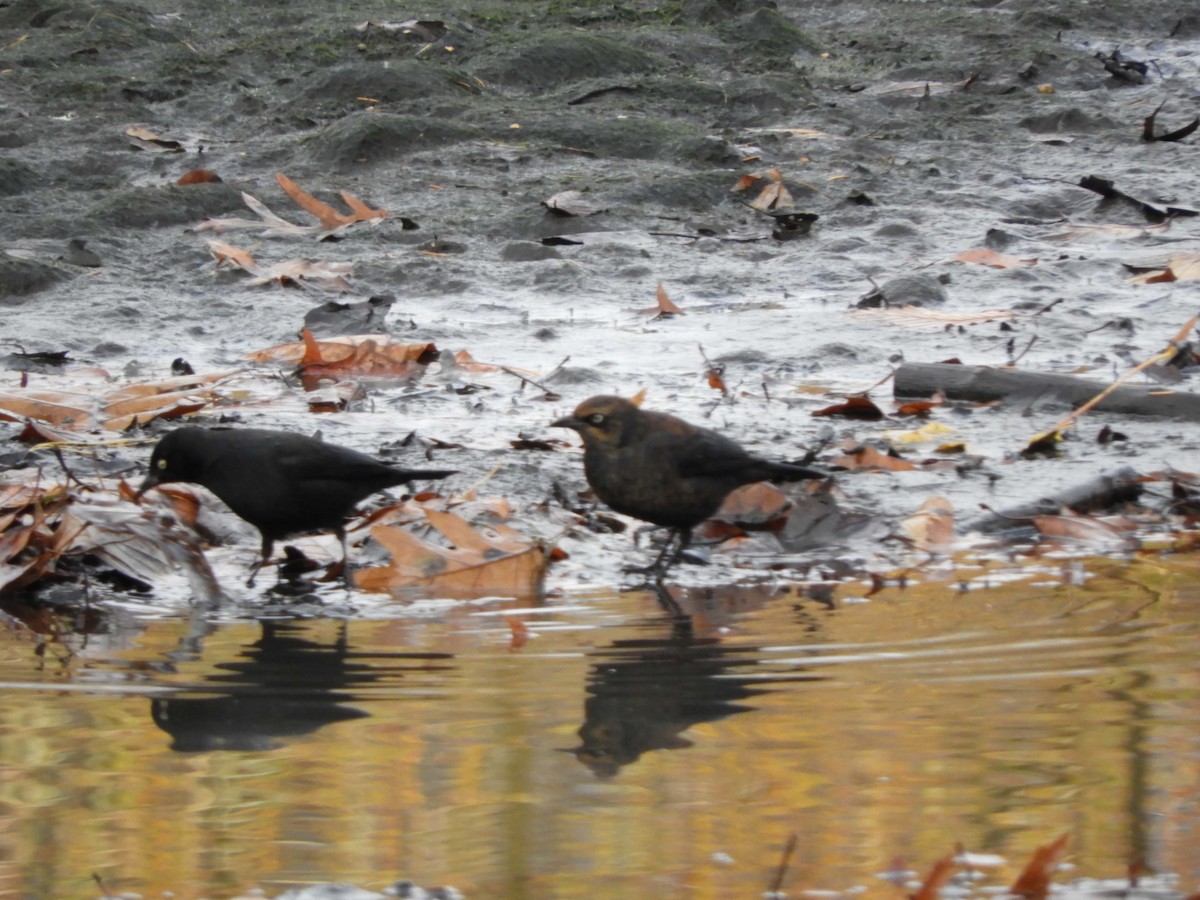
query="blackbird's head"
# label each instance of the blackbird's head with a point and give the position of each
(176, 458)
(601, 421)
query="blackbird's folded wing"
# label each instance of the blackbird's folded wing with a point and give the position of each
(336, 463)
(706, 455)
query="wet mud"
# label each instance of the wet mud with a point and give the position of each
(914, 131)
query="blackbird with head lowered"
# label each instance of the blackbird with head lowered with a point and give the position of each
(281, 483)
(659, 468)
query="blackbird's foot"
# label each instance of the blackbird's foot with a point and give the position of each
(671, 553)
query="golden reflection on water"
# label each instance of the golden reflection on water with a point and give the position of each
(616, 753)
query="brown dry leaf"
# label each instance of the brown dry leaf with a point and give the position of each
(300, 272)
(1180, 267)
(754, 503)
(920, 317)
(1034, 881)
(465, 361)
(774, 194)
(478, 565)
(64, 409)
(572, 203)
(374, 356)
(870, 458)
(146, 139)
(931, 528)
(198, 176)
(665, 306)
(67, 414)
(1107, 532)
(329, 220)
(227, 253)
(918, 407)
(936, 879)
(853, 408)
(371, 357)
(323, 212)
(985, 257)
(716, 381)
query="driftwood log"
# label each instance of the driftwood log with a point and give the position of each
(1101, 493)
(983, 384)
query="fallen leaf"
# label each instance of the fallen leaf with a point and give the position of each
(1034, 880)
(572, 203)
(985, 257)
(870, 458)
(936, 879)
(920, 317)
(323, 212)
(931, 528)
(1179, 267)
(853, 408)
(479, 563)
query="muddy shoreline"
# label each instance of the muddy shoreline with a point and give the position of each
(914, 131)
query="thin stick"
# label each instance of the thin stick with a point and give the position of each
(525, 379)
(1171, 349)
(1028, 347)
(100, 883)
(781, 872)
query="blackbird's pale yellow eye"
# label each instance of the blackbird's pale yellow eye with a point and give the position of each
(596, 419)
(162, 464)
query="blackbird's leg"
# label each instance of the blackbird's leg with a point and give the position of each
(668, 556)
(344, 565)
(685, 540)
(268, 545)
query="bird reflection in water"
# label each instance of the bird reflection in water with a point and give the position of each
(643, 694)
(282, 686)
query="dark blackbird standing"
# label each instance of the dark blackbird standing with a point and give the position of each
(659, 468)
(279, 482)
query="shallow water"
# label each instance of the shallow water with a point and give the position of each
(611, 750)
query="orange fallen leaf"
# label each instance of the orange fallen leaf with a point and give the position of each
(931, 528)
(754, 503)
(198, 176)
(936, 879)
(1034, 880)
(985, 257)
(870, 458)
(480, 563)
(853, 408)
(1107, 532)
(323, 212)
(1180, 267)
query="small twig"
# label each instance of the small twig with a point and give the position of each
(884, 380)
(1017, 358)
(1171, 349)
(57, 451)
(100, 884)
(525, 379)
(557, 369)
(784, 862)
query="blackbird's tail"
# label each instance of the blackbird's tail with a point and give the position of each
(425, 474)
(774, 471)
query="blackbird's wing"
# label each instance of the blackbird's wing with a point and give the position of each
(323, 462)
(704, 454)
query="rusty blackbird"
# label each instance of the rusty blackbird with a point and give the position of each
(279, 482)
(659, 468)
